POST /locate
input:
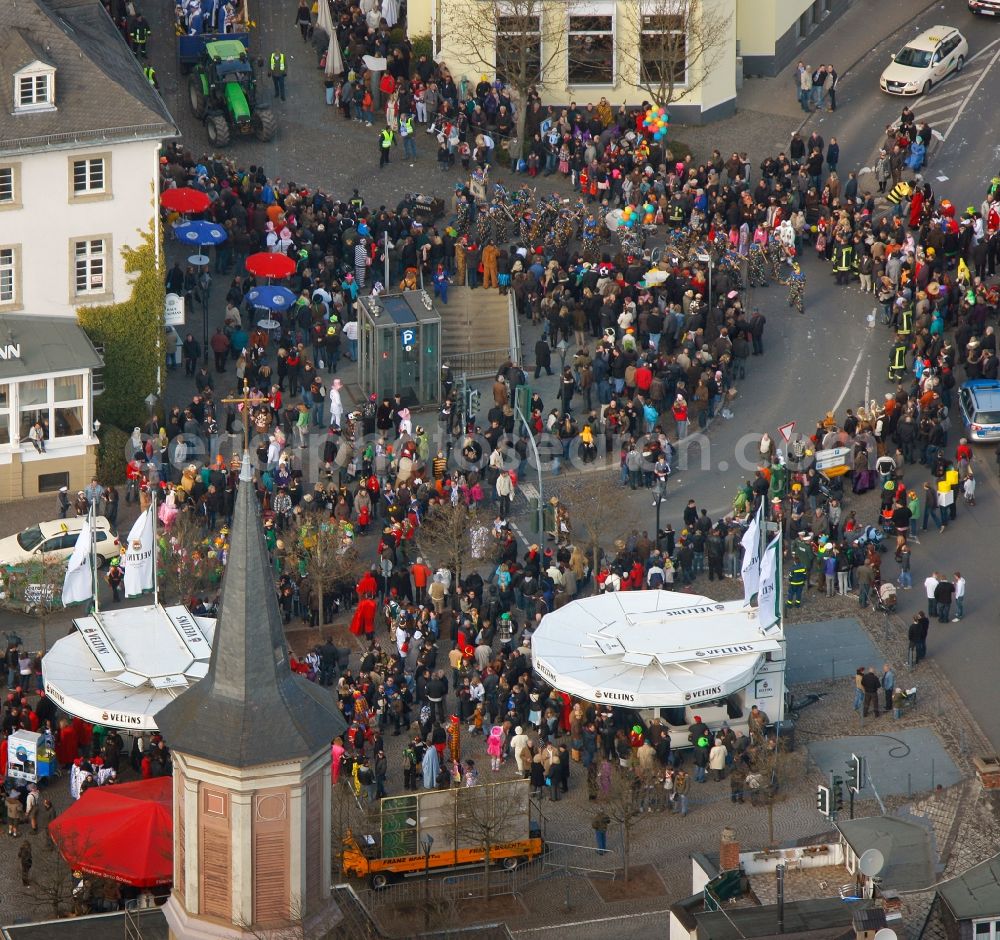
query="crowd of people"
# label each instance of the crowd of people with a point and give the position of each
(657, 341)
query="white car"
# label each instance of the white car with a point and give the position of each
(57, 538)
(924, 61)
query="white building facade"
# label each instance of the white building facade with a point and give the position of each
(80, 133)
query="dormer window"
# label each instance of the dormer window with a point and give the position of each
(34, 89)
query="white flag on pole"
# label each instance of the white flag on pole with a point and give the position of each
(769, 595)
(139, 555)
(79, 582)
(750, 570)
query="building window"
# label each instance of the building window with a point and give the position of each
(90, 261)
(987, 929)
(8, 193)
(88, 176)
(591, 50)
(56, 403)
(8, 276)
(34, 91)
(519, 48)
(663, 47)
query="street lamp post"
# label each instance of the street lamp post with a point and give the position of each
(427, 842)
(659, 501)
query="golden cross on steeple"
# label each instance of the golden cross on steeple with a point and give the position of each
(245, 401)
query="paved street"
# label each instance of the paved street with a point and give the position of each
(830, 358)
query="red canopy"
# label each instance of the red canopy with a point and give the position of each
(184, 199)
(270, 264)
(124, 832)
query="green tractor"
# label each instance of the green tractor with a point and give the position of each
(223, 92)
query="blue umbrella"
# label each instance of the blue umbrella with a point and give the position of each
(200, 233)
(271, 297)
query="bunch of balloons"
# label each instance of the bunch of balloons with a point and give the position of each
(630, 216)
(649, 213)
(656, 122)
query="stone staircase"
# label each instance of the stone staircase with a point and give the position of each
(475, 331)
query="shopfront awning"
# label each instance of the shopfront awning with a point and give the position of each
(36, 346)
(120, 667)
(651, 649)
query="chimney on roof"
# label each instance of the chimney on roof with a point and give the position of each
(729, 850)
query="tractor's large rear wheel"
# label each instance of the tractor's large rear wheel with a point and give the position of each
(218, 130)
(196, 96)
(265, 124)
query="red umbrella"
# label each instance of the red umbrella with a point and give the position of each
(270, 264)
(184, 199)
(124, 832)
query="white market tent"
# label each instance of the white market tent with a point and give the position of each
(652, 649)
(120, 667)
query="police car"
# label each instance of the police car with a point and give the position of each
(924, 61)
(979, 400)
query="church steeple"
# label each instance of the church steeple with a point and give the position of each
(251, 755)
(250, 708)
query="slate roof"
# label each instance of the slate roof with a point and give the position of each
(816, 919)
(975, 893)
(48, 344)
(250, 709)
(100, 91)
(905, 846)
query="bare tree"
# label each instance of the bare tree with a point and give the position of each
(677, 46)
(622, 803)
(52, 883)
(517, 39)
(592, 515)
(291, 927)
(491, 814)
(319, 550)
(35, 588)
(445, 536)
(189, 562)
(774, 773)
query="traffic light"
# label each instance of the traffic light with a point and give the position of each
(838, 793)
(823, 800)
(474, 396)
(855, 773)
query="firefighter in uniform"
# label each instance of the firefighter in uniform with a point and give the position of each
(796, 582)
(140, 36)
(675, 212)
(897, 360)
(904, 326)
(843, 260)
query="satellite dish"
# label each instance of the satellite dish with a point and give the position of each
(885, 934)
(870, 864)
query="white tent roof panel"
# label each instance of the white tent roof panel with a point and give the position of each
(651, 648)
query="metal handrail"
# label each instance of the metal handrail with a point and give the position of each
(480, 364)
(133, 131)
(514, 328)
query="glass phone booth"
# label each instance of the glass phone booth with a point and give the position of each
(399, 347)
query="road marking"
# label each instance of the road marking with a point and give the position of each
(948, 108)
(934, 97)
(850, 378)
(982, 51)
(968, 97)
(517, 531)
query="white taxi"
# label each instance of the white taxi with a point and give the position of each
(924, 61)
